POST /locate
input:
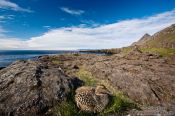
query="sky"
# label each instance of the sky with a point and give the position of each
(80, 24)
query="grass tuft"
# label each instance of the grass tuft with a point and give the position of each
(165, 52)
(87, 77)
(126, 50)
(119, 105)
(69, 108)
(65, 109)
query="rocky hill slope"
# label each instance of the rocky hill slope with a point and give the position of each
(143, 40)
(162, 39)
(162, 42)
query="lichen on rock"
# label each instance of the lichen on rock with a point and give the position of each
(29, 87)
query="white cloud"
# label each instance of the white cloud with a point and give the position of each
(4, 18)
(72, 11)
(12, 43)
(5, 4)
(115, 35)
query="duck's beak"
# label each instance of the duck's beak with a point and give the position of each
(106, 92)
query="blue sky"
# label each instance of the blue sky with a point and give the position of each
(80, 24)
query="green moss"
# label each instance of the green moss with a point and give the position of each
(56, 62)
(126, 49)
(69, 108)
(65, 109)
(76, 54)
(86, 77)
(119, 104)
(165, 52)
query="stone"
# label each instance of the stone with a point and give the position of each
(143, 81)
(29, 87)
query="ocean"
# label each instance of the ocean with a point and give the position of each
(9, 56)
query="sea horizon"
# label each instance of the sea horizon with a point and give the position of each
(9, 56)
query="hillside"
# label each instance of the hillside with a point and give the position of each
(144, 39)
(162, 39)
(162, 43)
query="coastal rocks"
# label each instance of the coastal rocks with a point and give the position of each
(1, 68)
(144, 80)
(29, 87)
(35, 86)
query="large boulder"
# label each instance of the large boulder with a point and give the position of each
(30, 87)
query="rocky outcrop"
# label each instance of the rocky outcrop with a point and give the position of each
(32, 88)
(162, 39)
(143, 77)
(35, 86)
(143, 40)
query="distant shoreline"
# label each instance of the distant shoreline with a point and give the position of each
(9, 56)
